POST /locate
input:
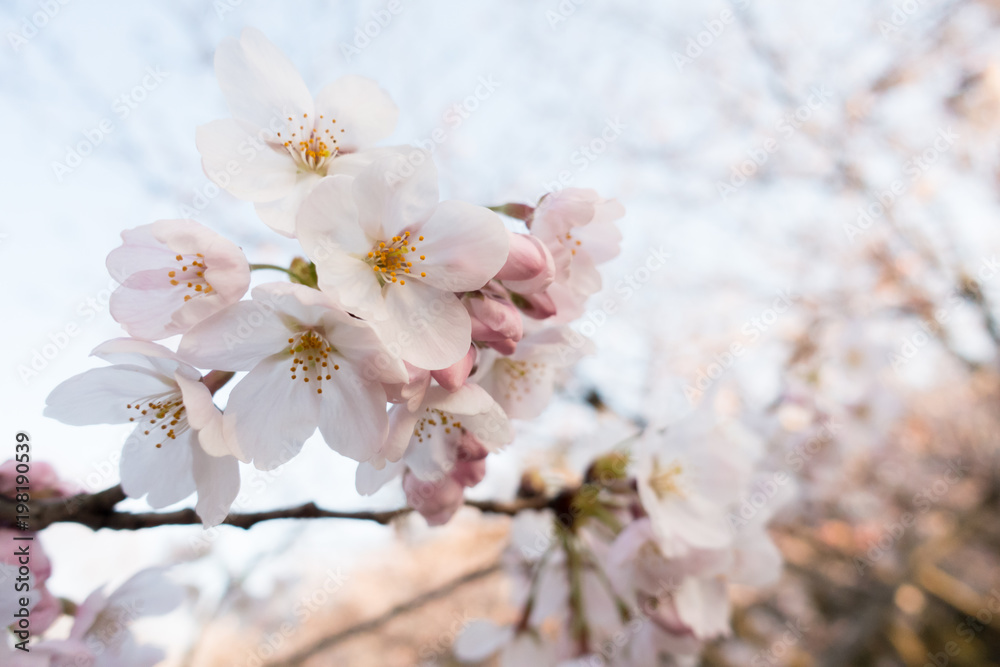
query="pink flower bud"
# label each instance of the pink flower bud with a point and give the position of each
(538, 306)
(530, 267)
(436, 501)
(454, 376)
(469, 473)
(505, 347)
(494, 316)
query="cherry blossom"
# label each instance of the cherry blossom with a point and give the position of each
(173, 274)
(523, 382)
(178, 445)
(281, 141)
(446, 430)
(100, 636)
(310, 365)
(577, 226)
(392, 254)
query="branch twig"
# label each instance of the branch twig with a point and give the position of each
(98, 511)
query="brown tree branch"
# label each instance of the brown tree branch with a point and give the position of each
(98, 511)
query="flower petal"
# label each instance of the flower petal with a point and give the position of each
(260, 83)
(273, 415)
(218, 483)
(162, 474)
(100, 395)
(364, 112)
(352, 417)
(431, 328)
(237, 157)
(465, 246)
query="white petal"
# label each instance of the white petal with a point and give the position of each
(397, 192)
(480, 639)
(369, 479)
(100, 395)
(218, 483)
(273, 414)
(401, 424)
(260, 83)
(352, 416)
(162, 474)
(280, 214)
(431, 328)
(236, 156)
(465, 246)
(236, 338)
(364, 112)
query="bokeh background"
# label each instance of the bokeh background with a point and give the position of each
(743, 138)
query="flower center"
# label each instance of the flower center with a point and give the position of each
(389, 261)
(164, 413)
(191, 275)
(311, 359)
(568, 241)
(311, 148)
(666, 481)
(436, 420)
(520, 376)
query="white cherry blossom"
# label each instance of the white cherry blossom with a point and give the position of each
(392, 254)
(310, 365)
(178, 446)
(280, 141)
(173, 274)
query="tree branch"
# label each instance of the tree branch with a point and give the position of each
(98, 511)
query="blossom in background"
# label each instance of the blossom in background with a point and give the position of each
(523, 382)
(100, 636)
(688, 476)
(578, 228)
(311, 365)
(513, 647)
(173, 274)
(281, 140)
(392, 254)
(178, 445)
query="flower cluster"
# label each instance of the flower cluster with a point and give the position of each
(409, 334)
(638, 565)
(439, 308)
